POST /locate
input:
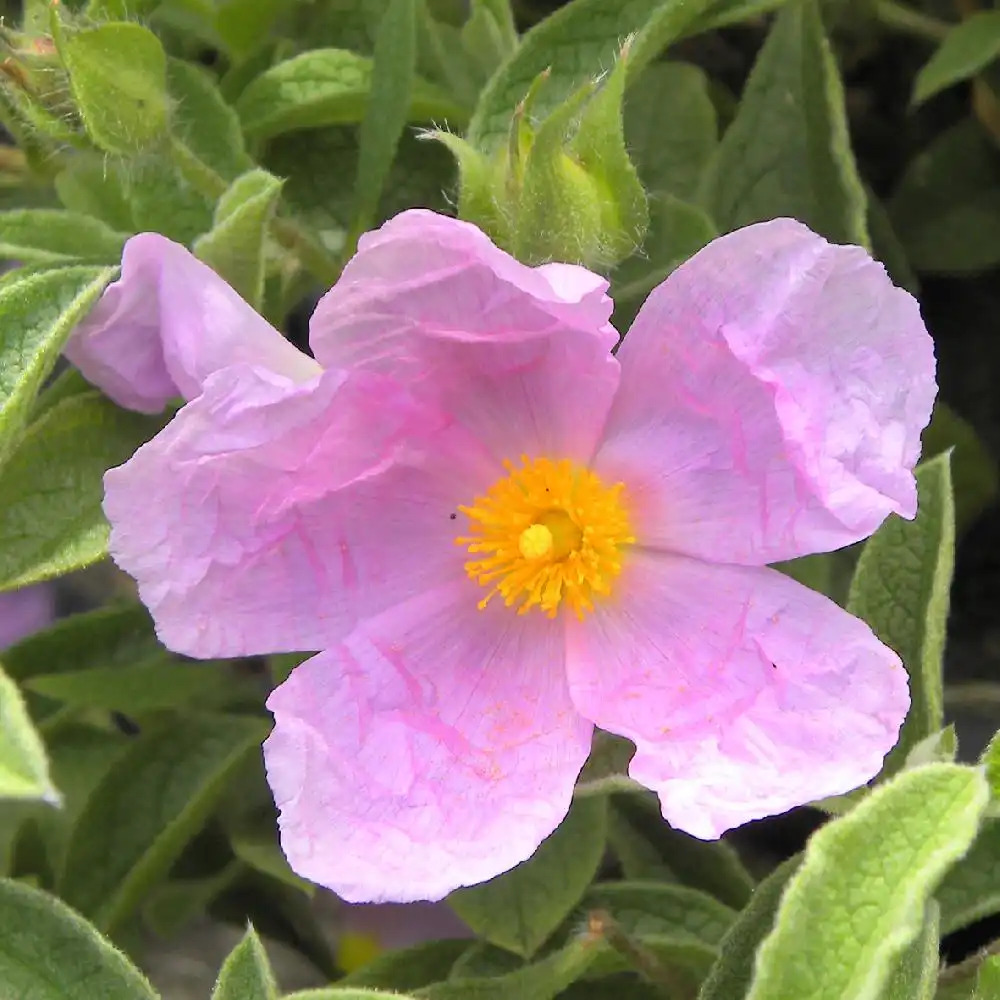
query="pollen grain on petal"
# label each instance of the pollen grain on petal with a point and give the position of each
(548, 532)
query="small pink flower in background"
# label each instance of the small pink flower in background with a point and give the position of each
(500, 536)
(25, 611)
(367, 930)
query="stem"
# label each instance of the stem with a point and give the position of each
(908, 21)
(311, 253)
(667, 982)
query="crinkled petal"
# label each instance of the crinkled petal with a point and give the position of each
(745, 693)
(270, 515)
(167, 324)
(773, 392)
(434, 748)
(519, 355)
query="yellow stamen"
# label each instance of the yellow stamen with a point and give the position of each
(547, 532)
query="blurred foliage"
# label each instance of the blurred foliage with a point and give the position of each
(268, 135)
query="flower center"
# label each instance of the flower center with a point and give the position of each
(546, 533)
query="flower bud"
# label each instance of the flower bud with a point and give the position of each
(563, 188)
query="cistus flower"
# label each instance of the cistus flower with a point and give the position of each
(366, 930)
(24, 612)
(499, 535)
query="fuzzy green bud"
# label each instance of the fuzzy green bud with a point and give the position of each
(563, 188)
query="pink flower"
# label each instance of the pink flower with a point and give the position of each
(367, 930)
(500, 535)
(25, 611)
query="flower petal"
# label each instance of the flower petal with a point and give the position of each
(25, 611)
(519, 355)
(745, 693)
(167, 324)
(773, 392)
(434, 748)
(270, 515)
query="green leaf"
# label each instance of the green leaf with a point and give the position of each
(173, 905)
(244, 27)
(973, 468)
(606, 770)
(235, 245)
(38, 313)
(48, 952)
(489, 35)
(261, 852)
(344, 993)
(162, 201)
(411, 968)
(677, 231)
(787, 152)
(621, 986)
(857, 900)
(246, 973)
(813, 571)
(420, 175)
(541, 980)
(649, 908)
(971, 890)
(118, 74)
(939, 747)
(385, 115)
(326, 87)
(915, 976)
(116, 635)
(684, 961)
(204, 121)
(670, 127)
(144, 687)
(51, 488)
(50, 236)
(967, 48)
(521, 908)
(946, 207)
(648, 847)
(24, 768)
(120, 10)
(94, 185)
(68, 383)
(988, 979)
(573, 45)
(887, 247)
(731, 975)
(482, 959)
(150, 803)
(901, 589)
(79, 757)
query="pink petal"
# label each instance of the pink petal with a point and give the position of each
(167, 324)
(25, 611)
(518, 355)
(270, 515)
(402, 925)
(773, 392)
(745, 693)
(434, 748)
